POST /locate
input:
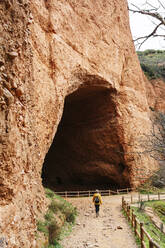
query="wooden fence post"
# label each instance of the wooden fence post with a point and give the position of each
(151, 245)
(135, 225)
(158, 196)
(141, 235)
(139, 197)
(89, 193)
(161, 226)
(78, 194)
(122, 201)
(127, 212)
(131, 199)
(109, 192)
(66, 194)
(124, 205)
(132, 219)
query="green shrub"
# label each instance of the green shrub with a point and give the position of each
(148, 71)
(49, 193)
(49, 216)
(55, 206)
(70, 215)
(152, 63)
(64, 210)
(149, 51)
(42, 227)
(55, 245)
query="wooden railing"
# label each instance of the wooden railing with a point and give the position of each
(138, 227)
(88, 193)
(145, 197)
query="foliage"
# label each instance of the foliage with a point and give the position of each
(55, 245)
(49, 193)
(50, 226)
(152, 63)
(42, 227)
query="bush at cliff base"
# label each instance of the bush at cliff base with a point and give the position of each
(58, 220)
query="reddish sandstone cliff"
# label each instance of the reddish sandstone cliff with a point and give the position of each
(80, 53)
(155, 94)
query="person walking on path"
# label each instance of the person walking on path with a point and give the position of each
(97, 200)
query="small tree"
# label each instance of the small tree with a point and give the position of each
(154, 144)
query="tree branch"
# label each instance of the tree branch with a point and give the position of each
(147, 12)
(153, 11)
(146, 37)
(163, 6)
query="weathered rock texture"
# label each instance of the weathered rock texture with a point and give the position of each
(155, 94)
(77, 52)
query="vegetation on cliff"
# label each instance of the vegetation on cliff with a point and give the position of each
(57, 222)
(152, 63)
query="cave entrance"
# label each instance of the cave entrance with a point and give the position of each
(86, 152)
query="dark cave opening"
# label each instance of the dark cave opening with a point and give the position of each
(86, 152)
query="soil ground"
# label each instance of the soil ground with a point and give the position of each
(109, 230)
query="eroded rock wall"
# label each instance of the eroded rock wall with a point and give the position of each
(19, 166)
(49, 49)
(155, 94)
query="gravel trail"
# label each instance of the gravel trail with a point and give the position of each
(109, 230)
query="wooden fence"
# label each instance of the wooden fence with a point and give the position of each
(144, 197)
(88, 193)
(138, 227)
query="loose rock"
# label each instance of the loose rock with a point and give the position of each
(1, 63)
(12, 55)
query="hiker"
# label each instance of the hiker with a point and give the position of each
(97, 201)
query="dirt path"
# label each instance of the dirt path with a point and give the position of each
(109, 230)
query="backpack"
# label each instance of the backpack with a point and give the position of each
(96, 200)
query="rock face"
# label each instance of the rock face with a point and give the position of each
(155, 94)
(74, 62)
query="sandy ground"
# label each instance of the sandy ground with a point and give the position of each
(109, 230)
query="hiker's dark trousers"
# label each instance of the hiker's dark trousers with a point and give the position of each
(97, 208)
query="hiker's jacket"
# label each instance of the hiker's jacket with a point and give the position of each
(100, 199)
